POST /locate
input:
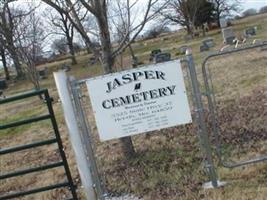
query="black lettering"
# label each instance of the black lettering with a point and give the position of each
(149, 75)
(125, 100)
(154, 94)
(162, 92)
(104, 104)
(127, 78)
(145, 95)
(160, 75)
(136, 75)
(109, 87)
(116, 83)
(136, 98)
(115, 102)
(171, 89)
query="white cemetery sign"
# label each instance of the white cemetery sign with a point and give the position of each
(139, 100)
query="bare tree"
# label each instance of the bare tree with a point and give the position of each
(121, 20)
(29, 45)
(99, 10)
(263, 9)
(225, 7)
(61, 22)
(249, 12)
(181, 12)
(3, 59)
(9, 19)
(60, 46)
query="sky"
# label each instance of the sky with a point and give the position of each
(253, 4)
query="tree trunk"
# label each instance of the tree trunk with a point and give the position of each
(72, 52)
(131, 51)
(107, 62)
(15, 58)
(218, 18)
(127, 147)
(4, 64)
(203, 30)
(188, 29)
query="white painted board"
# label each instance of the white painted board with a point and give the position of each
(139, 100)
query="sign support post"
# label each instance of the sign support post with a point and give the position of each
(72, 124)
(202, 128)
(87, 139)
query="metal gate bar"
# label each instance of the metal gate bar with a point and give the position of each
(213, 107)
(56, 139)
(75, 88)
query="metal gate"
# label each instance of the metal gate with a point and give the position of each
(213, 91)
(73, 98)
(54, 140)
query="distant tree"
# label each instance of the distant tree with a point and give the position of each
(263, 9)
(59, 46)
(155, 31)
(183, 13)
(9, 20)
(237, 17)
(249, 12)
(3, 59)
(204, 15)
(61, 22)
(120, 21)
(30, 41)
(225, 8)
(77, 47)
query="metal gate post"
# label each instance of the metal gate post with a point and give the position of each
(60, 144)
(86, 138)
(200, 118)
(72, 124)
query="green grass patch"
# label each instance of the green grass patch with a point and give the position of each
(23, 115)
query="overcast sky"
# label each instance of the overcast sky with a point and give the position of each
(253, 4)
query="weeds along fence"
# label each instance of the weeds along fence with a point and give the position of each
(235, 86)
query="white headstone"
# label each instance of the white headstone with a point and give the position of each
(223, 22)
(228, 35)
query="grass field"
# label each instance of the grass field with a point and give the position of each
(169, 163)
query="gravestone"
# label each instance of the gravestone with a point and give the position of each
(3, 84)
(43, 73)
(188, 38)
(208, 42)
(223, 22)
(228, 35)
(92, 60)
(65, 67)
(264, 48)
(2, 96)
(250, 31)
(183, 49)
(153, 53)
(203, 48)
(134, 61)
(162, 57)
